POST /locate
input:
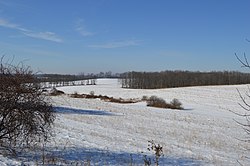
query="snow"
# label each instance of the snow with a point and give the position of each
(4, 161)
(104, 133)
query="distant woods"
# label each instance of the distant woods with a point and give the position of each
(172, 79)
(150, 80)
(57, 80)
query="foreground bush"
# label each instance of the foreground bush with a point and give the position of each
(155, 101)
(26, 116)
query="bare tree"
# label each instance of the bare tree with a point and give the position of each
(26, 116)
(245, 104)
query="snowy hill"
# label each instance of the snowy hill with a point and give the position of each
(104, 133)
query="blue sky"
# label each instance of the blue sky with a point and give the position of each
(63, 36)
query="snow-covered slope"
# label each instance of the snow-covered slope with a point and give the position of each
(91, 130)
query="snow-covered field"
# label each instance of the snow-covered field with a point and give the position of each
(104, 133)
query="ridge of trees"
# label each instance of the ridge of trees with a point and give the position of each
(57, 80)
(72, 77)
(172, 79)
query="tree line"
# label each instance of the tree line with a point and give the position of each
(172, 79)
(57, 80)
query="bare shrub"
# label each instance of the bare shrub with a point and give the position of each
(26, 116)
(155, 101)
(92, 93)
(56, 92)
(157, 149)
(144, 98)
(176, 104)
(104, 98)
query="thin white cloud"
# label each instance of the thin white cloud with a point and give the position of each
(50, 36)
(83, 31)
(44, 35)
(6, 24)
(117, 44)
(81, 28)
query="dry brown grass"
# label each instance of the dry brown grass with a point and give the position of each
(104, 98)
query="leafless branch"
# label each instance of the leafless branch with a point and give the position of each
(243, 62)
(25, 115)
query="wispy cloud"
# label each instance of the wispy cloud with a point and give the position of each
(44, 35)
(117, 44)
(81, 28)
(7, 24)
(50, 36)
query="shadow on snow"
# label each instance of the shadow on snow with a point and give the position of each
(65, 110)
(83, 156)
(80, 156)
